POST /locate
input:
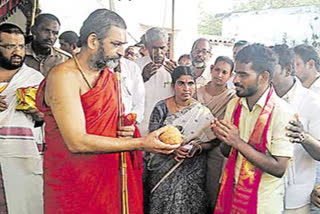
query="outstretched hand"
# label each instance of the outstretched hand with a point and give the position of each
(151, 143)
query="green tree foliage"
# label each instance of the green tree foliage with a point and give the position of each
(209, 24)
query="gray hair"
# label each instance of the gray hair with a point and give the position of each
(195, 44)
(155, 34)
(99, 22)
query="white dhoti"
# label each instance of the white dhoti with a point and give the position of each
(20, 160)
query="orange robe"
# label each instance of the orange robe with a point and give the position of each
(89, 183)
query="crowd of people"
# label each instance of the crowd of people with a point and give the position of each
(91, 143)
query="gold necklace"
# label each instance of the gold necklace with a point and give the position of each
(81, 71)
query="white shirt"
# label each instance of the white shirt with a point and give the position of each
(204, 78)
(301, 175)
(158, 87)
(315, 87)
(25, 77)
(132, 86)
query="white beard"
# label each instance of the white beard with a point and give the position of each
(199, 65)
(112, 64)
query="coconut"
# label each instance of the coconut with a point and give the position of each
(171, 136)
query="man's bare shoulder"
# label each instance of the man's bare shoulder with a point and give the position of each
(66, 68)
(62, 81)
(64, 73)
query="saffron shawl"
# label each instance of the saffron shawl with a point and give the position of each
(242, 198)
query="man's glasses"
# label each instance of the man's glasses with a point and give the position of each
(13, 47)
(203, 51)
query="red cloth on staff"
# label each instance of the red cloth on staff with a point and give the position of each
(89, 183)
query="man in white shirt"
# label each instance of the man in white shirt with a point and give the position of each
(133, 92)
(157, 79)
(200, 56)
(304, 132)
(307, 64)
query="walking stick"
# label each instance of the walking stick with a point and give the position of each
(123, 163)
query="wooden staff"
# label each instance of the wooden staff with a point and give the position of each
(123, 164)
(34, 11)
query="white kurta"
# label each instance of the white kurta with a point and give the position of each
(307, 105)
(133, 92)
(157, 88)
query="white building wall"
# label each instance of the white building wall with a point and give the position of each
(272, 26)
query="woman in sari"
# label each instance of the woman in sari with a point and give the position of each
(215, 95)
(180, 190)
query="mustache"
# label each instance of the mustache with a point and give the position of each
(48, 40)
(112, 58)
(158, 58)
(199, 64)
(201, 58)
(102, 63)
(16, 56)
(238, 85)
